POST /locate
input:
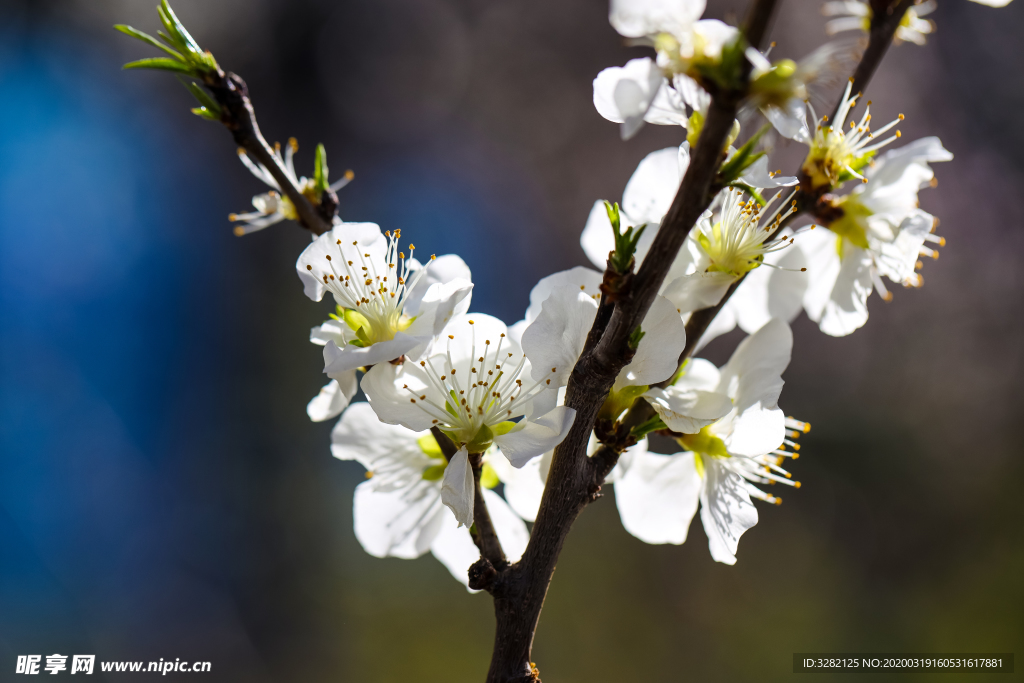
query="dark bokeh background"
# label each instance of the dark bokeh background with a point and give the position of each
(162, 493)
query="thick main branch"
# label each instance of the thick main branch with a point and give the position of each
(574, 479)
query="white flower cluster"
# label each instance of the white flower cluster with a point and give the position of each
(403, 333)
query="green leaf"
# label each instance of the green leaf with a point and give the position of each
(181, 37)
(161, 63)
(320, 170)
(146, 38)
(635, 337)
(742, 158)
(204, 99)
(613, 215)
(205, 113)
(653, 425)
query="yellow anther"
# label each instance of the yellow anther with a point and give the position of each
(239, 231)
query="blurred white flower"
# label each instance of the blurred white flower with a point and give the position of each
(398, 510)
(638, 92)
(854, 15)
(723, 461)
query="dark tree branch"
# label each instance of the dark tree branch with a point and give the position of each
(574, 479)
(238, 115)
(885, 19)
(484, 534)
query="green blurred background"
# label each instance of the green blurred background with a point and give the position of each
(162, 493)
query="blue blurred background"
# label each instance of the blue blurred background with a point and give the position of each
(162, 493)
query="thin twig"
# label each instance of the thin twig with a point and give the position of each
(572, 481)
(484, 535)
(239, 117)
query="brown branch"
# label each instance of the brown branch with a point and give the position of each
(238, 115)
(885, 19)
(484, 534)
(574, 479)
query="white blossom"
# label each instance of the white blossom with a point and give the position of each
(474, 389)
(398, 510)
(882, 232)
(723, 462)
(388, 306)
(274, 206)
(835, 155)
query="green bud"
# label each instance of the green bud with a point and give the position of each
(481, 441)
(320, 181)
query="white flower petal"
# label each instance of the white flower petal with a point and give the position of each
(756, 175)
(360, 436)
(457, 487)
(725, 509)
(524, 487)
(652, 187)
(699, 374)
(624, 94)
(597, 239)
(331, 330)
(442, 270)
(698, 290)
(638, 18)
(556, 338)
(399, 523)
(578, 279)
(393, 404)
(847, 307)
(338, 361)
(768, 293)
(333, 398)
(790, 120)
(657, 355)
(441, 302)
(533, 437)
(657, 497)
(688, 410)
